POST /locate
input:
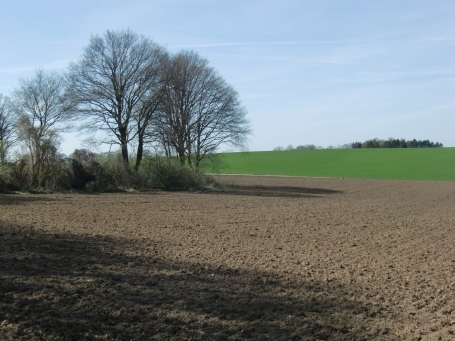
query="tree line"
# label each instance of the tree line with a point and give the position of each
(299, 147)
(395, 143)
(373, 143)
(128, 92)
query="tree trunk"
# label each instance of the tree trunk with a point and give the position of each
(182, 156)
(124, 144)
(124, 147)
(181, 150)
(140, 152)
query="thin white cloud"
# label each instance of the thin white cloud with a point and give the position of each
(267, 43)
(55, 65)
(308, 42)
(297, 58)
(382, 77)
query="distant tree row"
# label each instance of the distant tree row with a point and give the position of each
(299, 147)
(374, 143)
(132, 91)
(394, 143)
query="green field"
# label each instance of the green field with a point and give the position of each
(382, 163)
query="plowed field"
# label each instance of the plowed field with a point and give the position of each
(265, 258)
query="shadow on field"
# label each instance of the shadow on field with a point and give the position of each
(18, 199)
(274, 191)
(62, 286)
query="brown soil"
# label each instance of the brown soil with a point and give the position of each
(264, 259)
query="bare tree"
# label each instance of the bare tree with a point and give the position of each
(41, 105)
(7, 121)
(306, 147)
(149, 105)
(112, 82)
(199, 111)
(290, 147)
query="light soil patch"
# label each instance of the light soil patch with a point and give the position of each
(264, 259)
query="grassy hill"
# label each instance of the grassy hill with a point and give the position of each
(382, 163)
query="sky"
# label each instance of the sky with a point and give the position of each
(324, 72)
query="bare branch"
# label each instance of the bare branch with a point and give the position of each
(111, 82)
(7, 121)
(199, 110)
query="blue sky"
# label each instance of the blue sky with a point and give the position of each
(308, 72)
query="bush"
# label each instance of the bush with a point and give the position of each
(80, 177)
(168, 174)
(107, 172)
(54, 175)
(110, 171)
(5, 177)
(20, 171)
(99, 173)
(57, 175)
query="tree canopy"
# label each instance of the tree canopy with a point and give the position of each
(113, 82)
(199, 111)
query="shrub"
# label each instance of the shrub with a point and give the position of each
(103, 172)
(5, 177)
(111, 171)
(98, 172)
(20, 174)
(54, 174)
(80, 177)
(168, 174)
